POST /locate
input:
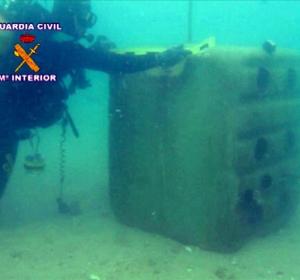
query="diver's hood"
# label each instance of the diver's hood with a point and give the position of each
(75, 16)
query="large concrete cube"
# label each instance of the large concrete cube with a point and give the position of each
(207, 152)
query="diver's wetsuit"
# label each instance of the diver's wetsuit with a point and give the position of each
(29, 105)
(8, 140)
(41, 104)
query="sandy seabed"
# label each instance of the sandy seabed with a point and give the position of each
(95, 246)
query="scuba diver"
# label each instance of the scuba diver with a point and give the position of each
(27, 105)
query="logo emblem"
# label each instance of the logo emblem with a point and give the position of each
(19, 51)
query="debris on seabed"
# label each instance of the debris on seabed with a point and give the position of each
(94, 277)
(188, 249)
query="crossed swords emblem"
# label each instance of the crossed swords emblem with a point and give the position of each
(19, 51)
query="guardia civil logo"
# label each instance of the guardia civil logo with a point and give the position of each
(25, 52)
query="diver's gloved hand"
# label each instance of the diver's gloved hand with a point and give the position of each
(172, 56)
(102, 43)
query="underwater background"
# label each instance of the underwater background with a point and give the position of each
(38, 243)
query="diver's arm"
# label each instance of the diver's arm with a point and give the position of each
(111, 62)
(73, 55)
